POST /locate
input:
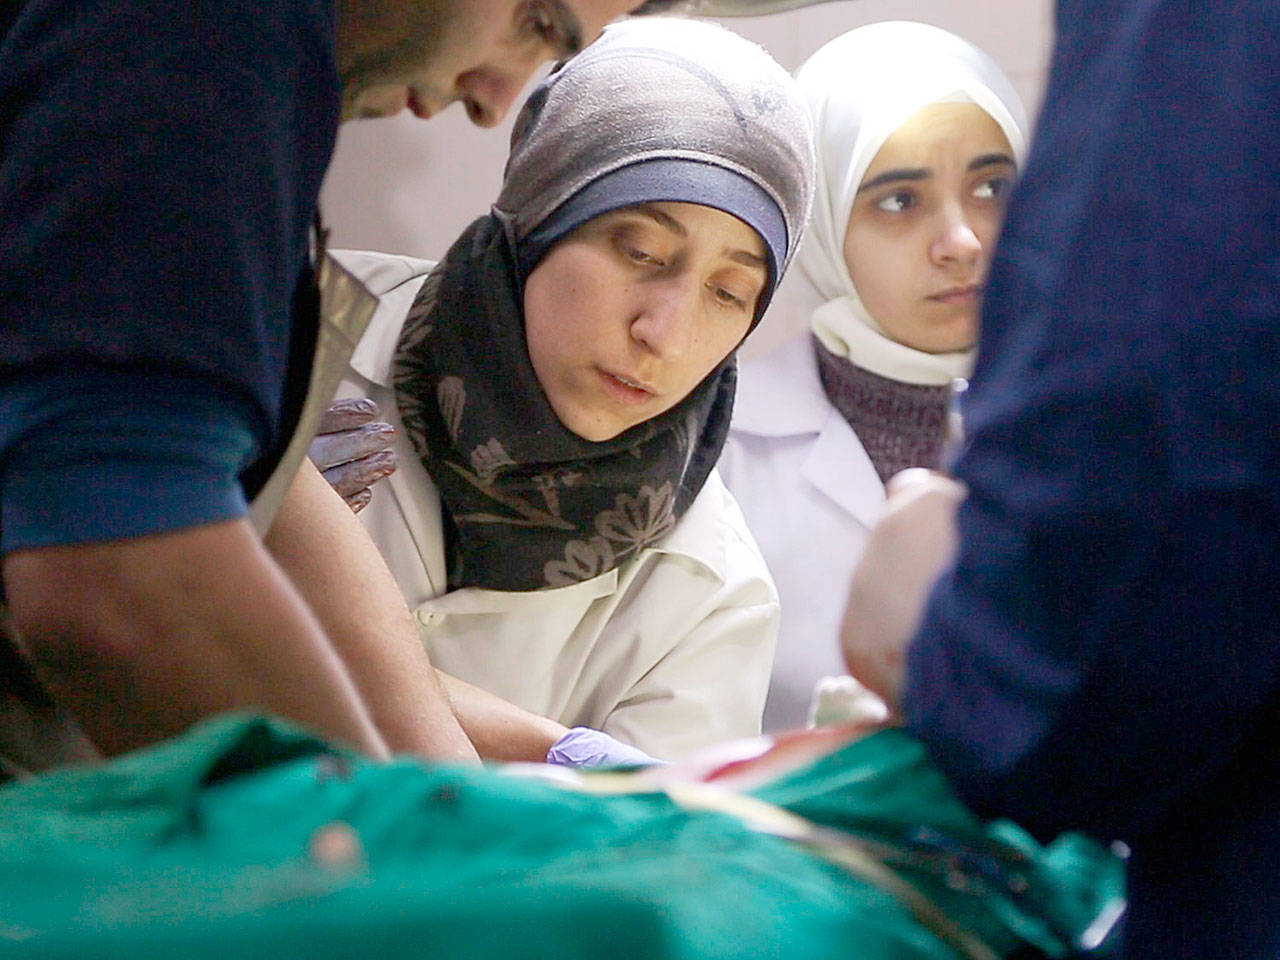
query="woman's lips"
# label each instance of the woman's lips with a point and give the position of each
(967, 294)
(624, 389)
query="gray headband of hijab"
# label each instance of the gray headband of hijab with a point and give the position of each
(678, 180)
(661, 109)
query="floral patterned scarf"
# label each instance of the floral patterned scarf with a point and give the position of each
(528, 504)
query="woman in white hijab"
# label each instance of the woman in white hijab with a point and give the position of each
(919, 136)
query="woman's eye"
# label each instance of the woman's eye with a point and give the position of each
(642, 256)
(726, 297)
(539, 21)
(994, 189)
(896, 202)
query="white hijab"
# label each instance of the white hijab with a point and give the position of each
(860, 88)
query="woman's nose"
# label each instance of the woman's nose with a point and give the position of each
(957, 241)
(661, 318)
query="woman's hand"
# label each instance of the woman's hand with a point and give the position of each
(585, 747)
(352, 450)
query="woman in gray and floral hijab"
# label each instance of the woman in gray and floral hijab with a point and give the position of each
(564, 379)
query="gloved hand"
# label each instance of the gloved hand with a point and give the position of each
(352, 449)
(584, 747)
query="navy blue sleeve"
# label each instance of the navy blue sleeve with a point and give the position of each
(98, 455)
(158, 180)
(1108, 637)
(159, 167)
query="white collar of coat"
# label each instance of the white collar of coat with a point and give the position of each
(793, 401)
(395, 281)
(781, 396)
(700, 534)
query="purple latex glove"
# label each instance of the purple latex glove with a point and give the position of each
(352, 449)
(584, 747)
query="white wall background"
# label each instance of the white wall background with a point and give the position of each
(404, 186)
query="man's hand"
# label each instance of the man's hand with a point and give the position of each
(352, 450)
(913, 542)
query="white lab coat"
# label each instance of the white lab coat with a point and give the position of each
(810, 495)
(671, 651)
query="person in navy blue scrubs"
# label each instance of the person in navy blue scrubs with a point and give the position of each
(1101, 647)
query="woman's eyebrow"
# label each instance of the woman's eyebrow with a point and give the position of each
(746, 258)
(663, 219)
(920, 173)
(991, 159)
(889, 176)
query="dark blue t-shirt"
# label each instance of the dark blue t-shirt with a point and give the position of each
(159, 168)
(1106, 653)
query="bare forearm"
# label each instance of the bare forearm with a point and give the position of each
(336, 566)
(500, 730)
(141, 638)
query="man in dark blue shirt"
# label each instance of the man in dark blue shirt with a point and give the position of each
(1102, 650)
(159, 168)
